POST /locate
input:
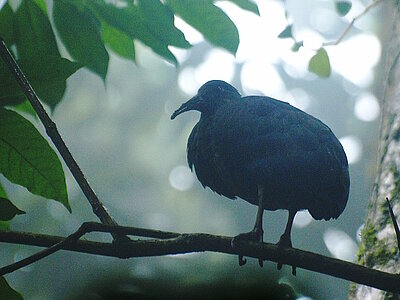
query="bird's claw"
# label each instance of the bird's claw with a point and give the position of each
(242, 261)
(260, 262)
(253, 235)
(285, 242)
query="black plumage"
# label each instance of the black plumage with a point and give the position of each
(268, 153)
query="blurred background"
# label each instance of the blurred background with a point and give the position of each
(121, 135)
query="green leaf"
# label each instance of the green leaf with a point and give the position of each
(319, 64)
(296, 46)
(6, 24)
(343, 7)
(33, 33)
(27, 159)
(25, 107)
(42, 5)
(8, 210)
(4, 225)
(211, 21)
(130, 21)
(6, 292)
(247, 5)
(48, 78)
(118, 41)
(38, 57)
(286, 33)
(159, 20)
(3, 193)
(80, 32)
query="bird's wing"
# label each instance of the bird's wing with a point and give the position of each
(266, 141)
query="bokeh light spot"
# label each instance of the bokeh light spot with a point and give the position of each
(353, 62)
(181, 178)
(218, 64)
(352, 147)
(187, 81)
(302, 219)
(366, 107)
(340, 245)
(258, 76)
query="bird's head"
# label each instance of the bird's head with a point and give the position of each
(210, 95)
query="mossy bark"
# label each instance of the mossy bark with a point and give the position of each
(378, 248)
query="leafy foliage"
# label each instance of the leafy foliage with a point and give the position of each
(8, 210)
(131, 22)
(6, 18)
(118, 41)
(4, 225)
(7, 292)
(48, 79)
(286, 33)
(85, 29)
(27, 159)
(34, 35)
(211, 21)
(343, 7)
(319, 63)
(247, 5)
(81, 35)
(296, 46)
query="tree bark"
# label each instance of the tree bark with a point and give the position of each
(378, 248)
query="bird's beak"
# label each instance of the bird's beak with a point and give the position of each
(192, 104)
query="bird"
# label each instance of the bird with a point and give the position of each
(268, 153)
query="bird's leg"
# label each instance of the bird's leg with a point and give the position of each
(257, 233)
(258, 230)
(285, 241)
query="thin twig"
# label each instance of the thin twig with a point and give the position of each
(85, 228)
(395, 225)
(46, 252)
(346, 31)
(51, 130)
(200, 242)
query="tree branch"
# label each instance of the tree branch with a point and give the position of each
(346, 31)
(51, 130)
(167, 243)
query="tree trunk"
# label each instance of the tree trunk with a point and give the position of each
(378, 248)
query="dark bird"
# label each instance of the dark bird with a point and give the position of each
(268, 153)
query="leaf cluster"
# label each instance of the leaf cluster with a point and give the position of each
(88, 30)
(319, 63)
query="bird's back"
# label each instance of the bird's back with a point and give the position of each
(256, 141)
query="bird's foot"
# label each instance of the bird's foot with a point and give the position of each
(255, 235)
(285, 242)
